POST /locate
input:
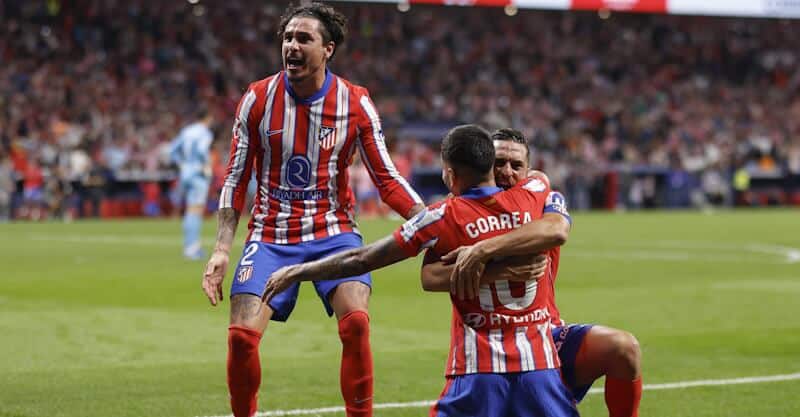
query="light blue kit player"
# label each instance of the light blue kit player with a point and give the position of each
(190, 151)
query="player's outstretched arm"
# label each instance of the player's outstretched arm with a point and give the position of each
(227, 220)
(550, 231)
(435, 274)
(344, 264)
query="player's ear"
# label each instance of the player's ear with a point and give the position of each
(330, 47)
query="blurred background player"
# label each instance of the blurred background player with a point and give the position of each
(300, 128)
(191, 151)
(587, 352)
(502, 358)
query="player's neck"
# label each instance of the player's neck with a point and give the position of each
(462, 189)
(309, 86)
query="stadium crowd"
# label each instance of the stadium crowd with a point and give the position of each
(627, 111)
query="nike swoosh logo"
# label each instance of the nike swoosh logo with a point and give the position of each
(357, 401)
(273, 132)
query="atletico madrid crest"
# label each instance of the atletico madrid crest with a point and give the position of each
(327, 138)
(244, 273)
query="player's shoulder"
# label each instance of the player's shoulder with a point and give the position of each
(353, 88)
(428, 216)
(533, 184)
(259, 87)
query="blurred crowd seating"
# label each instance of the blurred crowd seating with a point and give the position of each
(629, 111)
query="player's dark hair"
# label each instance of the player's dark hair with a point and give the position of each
(469, 150)
(334, 24)
(512, 135)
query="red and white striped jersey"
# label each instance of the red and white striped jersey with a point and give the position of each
(507, 327)
(300, 149)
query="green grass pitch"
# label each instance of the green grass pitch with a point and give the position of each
(101, 319)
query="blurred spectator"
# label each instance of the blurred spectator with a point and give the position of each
(94, 79)
(7, 186)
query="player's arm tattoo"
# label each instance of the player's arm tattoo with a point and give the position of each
(227, 220)
(353, 262)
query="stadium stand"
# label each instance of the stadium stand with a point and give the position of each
(625, 112)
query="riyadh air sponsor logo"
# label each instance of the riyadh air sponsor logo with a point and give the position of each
(327, 137)
(244, 273)
(298, 171)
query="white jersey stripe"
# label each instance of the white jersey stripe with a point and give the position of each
(380, 142)
(524, 348)
(312, 153)
(470, 350)
(498, 353)
(455, 360)
(242, 146)
(342, 110)
(544, 330)
(262, 194)
(289, 124)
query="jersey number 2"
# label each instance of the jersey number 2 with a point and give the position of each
(248, 253)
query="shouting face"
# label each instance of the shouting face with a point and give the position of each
(304, 49)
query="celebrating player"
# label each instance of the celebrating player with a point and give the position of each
(587, 352)
(501, 344)
(190, 150)
(300, 128)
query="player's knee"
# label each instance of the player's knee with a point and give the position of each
(627, 351)
(354, 325)
(243, 340)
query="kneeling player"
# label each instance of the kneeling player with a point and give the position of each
(502, 359)
(587, 352)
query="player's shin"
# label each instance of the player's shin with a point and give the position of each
(622, 396)
(244, 370)
(356, 371)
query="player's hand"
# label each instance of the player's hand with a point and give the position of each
(215, 272)
(518, 268)
(279, 281)
(532, 173)
(470, 262)
(529, 271)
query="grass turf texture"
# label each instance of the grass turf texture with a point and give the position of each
(106, 319)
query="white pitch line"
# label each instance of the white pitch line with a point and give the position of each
(647, 387)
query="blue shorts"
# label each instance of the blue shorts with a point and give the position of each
(259, 260)
(522, 394)
(194, 190)
(568, 341)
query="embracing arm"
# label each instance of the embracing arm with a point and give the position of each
(344, 264)
(551, 231)
(548, 232)
(435, 274)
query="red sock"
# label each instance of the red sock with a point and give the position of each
(622, 397)
(356, 372)
(244, 370)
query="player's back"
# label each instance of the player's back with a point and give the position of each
(505, 328)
